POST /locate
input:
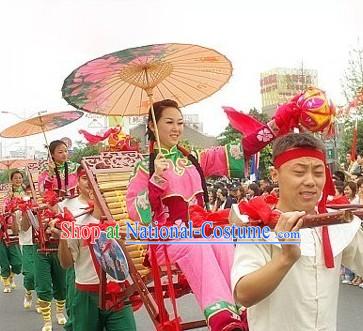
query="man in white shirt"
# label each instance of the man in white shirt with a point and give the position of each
(295, 287)
(87, 315)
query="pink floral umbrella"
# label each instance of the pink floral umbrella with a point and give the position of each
(41, 124)
(128, 82)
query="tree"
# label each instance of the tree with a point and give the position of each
(352, 86)
(352, 82)
(4, 176)
(346, 133)
(83, 150)
(230, 135)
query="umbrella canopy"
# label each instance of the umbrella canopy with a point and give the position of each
(126, 82)
(13, 163)
(41, 124)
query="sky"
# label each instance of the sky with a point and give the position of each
(43, 41)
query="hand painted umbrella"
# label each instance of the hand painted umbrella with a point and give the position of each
(129, 81)
(7, 164)
(41, 124)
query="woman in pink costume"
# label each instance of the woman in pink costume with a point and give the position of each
(61, 175)
(163, 188)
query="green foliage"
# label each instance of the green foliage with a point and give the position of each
(83, 150)
(262, 117)
(228, 136)
(352, 87)
(346, 138)
(265, 162)
(352, 82)
(4, 176)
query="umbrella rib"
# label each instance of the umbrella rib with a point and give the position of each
(171, 93)
(178, 51)
(200, 76)
(161, 93)
(178, 88)
(192, 80)
(200, 68)
(111, 85)
(140, 103)
(132, 93)
(200, 51)
(123, 83)
(128, 103)
(191, 86)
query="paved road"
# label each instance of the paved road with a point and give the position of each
(14, 318)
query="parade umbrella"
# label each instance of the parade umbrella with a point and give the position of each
(7, 164)
(127, 82)
(41, 124)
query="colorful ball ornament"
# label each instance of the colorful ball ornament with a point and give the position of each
(317, 111)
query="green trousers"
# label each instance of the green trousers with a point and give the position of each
(88, 316)
(28, 267)
(49, 276)
(70, 293)
(10, 259)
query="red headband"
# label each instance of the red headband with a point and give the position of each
(296, 153)
(81, 173)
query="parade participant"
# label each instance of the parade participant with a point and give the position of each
(61, 175)
(10, 256)
(26, 243)
(85, 311)
(155, 193)
(297, 285)
(76, 206)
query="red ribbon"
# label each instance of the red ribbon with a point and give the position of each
(259, 212)
(51, 198)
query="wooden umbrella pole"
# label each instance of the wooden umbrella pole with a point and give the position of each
(149, 92)
(154, 122)
(45, 137)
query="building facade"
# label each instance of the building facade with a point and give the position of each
(281, 84)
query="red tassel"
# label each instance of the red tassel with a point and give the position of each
(327, 190)
(328, 253)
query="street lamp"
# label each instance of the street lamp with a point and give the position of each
(21, 118)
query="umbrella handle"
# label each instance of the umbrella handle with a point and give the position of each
(45, 137)
(154, 121)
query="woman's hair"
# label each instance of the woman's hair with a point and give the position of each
(270, 187)
(352, 186)
(339, 175)
(242, 191)
(339, 186)
(296, 140)
(213, 192)
(52, 146)
(16, 172)
(79, 170)
(158, 109)
(224, 192)
(359, 182)
(254, 187)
